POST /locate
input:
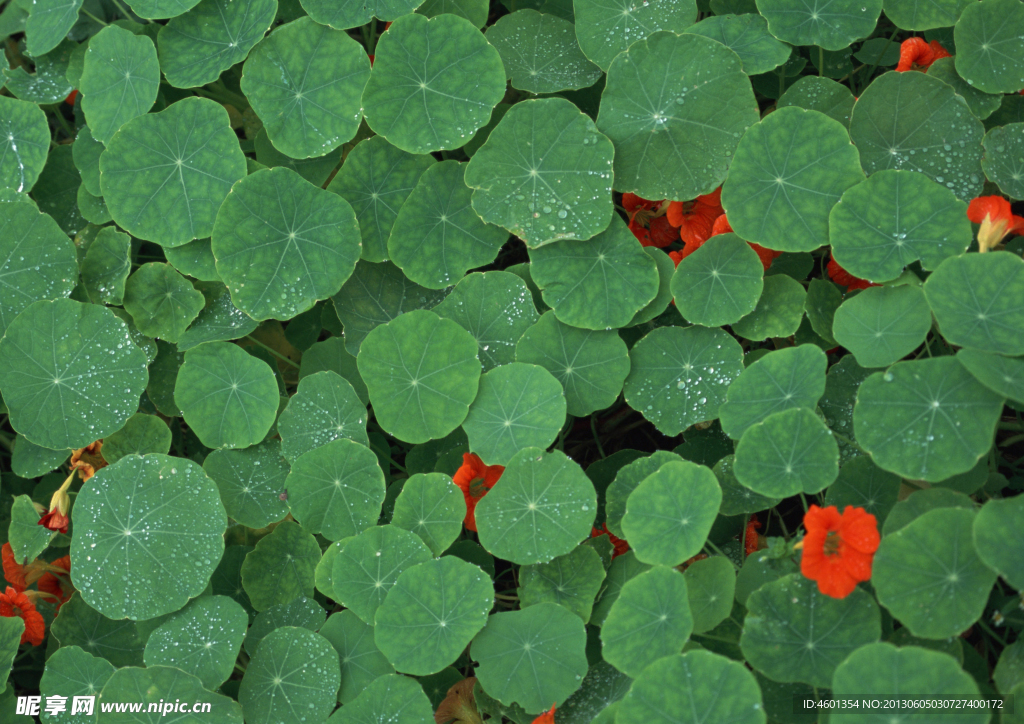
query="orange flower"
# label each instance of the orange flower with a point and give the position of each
(751, 542)
(647, 221)
(56, 518)
(690, 561)
(58, 584)
(475, 479)
(767, 256)
(16, 603)
(916, 54)
(88, 460)
(996, 219)
(619, 544)
(696, 218)
(838, 549)
(844, 278)
(547, 717)
(14, 572)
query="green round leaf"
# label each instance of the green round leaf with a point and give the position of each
(555, 186)
(350, 13)
(747, 35)
(293, 670)
(141, 435)
(161, 301)
(925, 419)
(829, 25)
(989, 53)
(69, 373)
(305, 82)
(922, 501)
(330, 356)
(78, 624)
(816, 93)
(106, 266)
(475, 11)
(596, 284)
(789, 171)
(669, 515)
(793, 632)
(432, 613)
(650, 619)
(164, 175)
(49, 83)
(282, 566)
(531, 657)
(781, 380)
(915, 122)
(422, 373)
(679, 376)
(540, 52)
(251, 482)
(894, 218)
(120, 80)
(572, 581)
(981, 104)
(437, 236)
(316, 170)
(543, 506)
(431, 506)
(154, 685)
(228, 397)
(790, 452)
(997, 538)
(737, 498)
(161, 9)
(929, 575)
(921, 15)
(194, 259)
(391, 698)
(1004, 158)
(605, 28)
(29, 460)
(710, 586)
(361, 660)
(137, 510)
(24, 143)
(39, 260)
(70, 671)
(626, 481)
(779, 310)
(48, 24)
(1002, 375)
(622, 569)
(336, 489)
(863, 484)
(92, 208)
(662, 95)
(518, 406)
(323, 408)
(434, 83)
(302, 612)
(657, 306)
(691, 688)
(203, 638)
(219, 321)
(196, 47)
(881, 325)
(973, 297)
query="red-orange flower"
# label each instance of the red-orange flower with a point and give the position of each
(647, 221)
(475, 479)
(767, 256)
(996, 219)
(619, 544)
(844, 278)
(88, 460)
(838, 549)
(70, 100)
(547, 717)
(916, 54)
(16, 603)
(696, 218)
(58, 584)
(751, 542)
(14, 572)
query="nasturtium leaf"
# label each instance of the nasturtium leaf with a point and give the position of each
(302, 612)
(203, 639)
(227, 578)
(591, 365)
(119, 81)
(293, 670)
(432, 507)
(345, 14)
(981, 104)
(85, 152)
(422, 373)
(650, 619)
(316, 170)
(657, 306)
(924, 15)
(437, 236)
(669, 514)
(930, 576)
(150, 685)
(39, 260)
(793, 632)
(540, 52)
(789, 171)
(605, 28)
(675, 107)
(330, 356)
(78, 624)
(11, 630)
(374, 295)
(29, 460)
(921, 502)
(822, 301)
(556, 185)
(69, 373)
(164, 175)
(600, 692)
(497, 309)
(361, 660)
(24, 143)
(48, 24)
(989, 53)
(251, 482)
(572, 581)
(219, 321)
(161, 301)
(997, 538)
(679, 376)
(788, 453)
(26, 537)
(336, 489)
(881, 325)
(829, 25)
(433, 84)
(49, 83)
(710, 587)
(719, 283)
(738, 499)
(1002, 375)
(915, 122)
(542, 508)
(1004, 158)
(194, 259)
(142, 434)
(71, 671)
(106, 266)
(779, 310)
(305, 82)
(783, 379)
(747, 35)
(691, 688)
(138, 509)
(325, 407)
(376, 179)
(622, 569)
(197, 46)
(228, 397)
(973, 299)
(161, 9)
(392, 698)
(937, 404)
(626, 481)
(56, 190)
(531, 657)
(863, 484)
(282, 566)
(475, 11)
(432, 613)
(816, 93)
(841, 384)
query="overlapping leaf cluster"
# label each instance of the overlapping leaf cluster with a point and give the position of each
(297, 262)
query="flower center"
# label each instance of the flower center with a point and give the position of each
(477, 489)
(832, 541)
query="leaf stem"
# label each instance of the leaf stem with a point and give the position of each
(718, 550)
(597, 440)
(879, 58)
(821, 61)
(93, 17)
(388, 456)
(271, 350)
(992, 633)
(127, 15)
(63, 122)
(848, 441)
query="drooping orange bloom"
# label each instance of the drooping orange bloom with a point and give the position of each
(475, 479)
(619, 544)
(690, 561)
(916, 54)
(751, 542)
(88, 460)
(696, 218)
(17, 603)
(838, 549)
(547, 717)
(647, 221)
(996, 219)
(845, 279)
(58, 584)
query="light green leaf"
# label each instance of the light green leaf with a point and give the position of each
(626, 481)
(161, 9)
(251, 482)
(981, 104)
(282, 566)
(881, 325)
(816, 93)
(605, 28)
(747, 35)
(863, 484)
(106, 266)
(1004, 151)
(830, 25)
(141, 435)
(540, 52)
(49, 83)
(392, 698)
(989, 53)
(719, 283)
(219, 321)
(302, 612)
(361, 660)
(350, 14)
(738, 499)
(788, 453)
(92, 208)
(28, 539)
(666, 268)
(330, 356)
(71, 671)
(710, 586)
(778, 313)
(316, 170)
(78, 624)
(572, 581)
(120, 80)
(323, 408)
(149, 686)
(622, 569)
(431, 506)
(24, 143)
(161, 301)
(29, 460)
(921, 15)
(1002, 375)
(48, 24)
(194, 259)
(997, 537)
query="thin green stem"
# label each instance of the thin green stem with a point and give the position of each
(6, 442)
(879, 58)
(63, 122)
(821, 61)
(388, 456)
(718, 550)
(271, 350)
(848, 441)
(126, 14)
(717, 638)
(92, 17)
(804, 501)
(597, 440)
(990, 632)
